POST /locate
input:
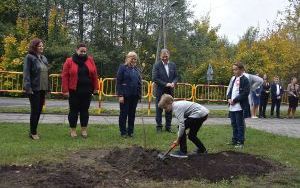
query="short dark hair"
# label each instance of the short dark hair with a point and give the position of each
(33, 45)
(239, 65)
(81, 45)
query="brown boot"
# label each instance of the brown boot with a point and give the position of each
(73, 133)
(84, 132)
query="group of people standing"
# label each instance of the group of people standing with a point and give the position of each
(245, 89)
(262, 92)
(80, 82)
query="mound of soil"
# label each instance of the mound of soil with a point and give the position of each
(124, 167)
(213, 167)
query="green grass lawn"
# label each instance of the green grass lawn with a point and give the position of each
(55, 144)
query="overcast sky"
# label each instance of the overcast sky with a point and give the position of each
(235, 16)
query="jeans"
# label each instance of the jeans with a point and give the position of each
(238, 127)
(127, 109)
(37, 100)
(194, 125)
(79, 103)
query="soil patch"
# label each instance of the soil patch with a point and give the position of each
(213, 167)
(124, 167)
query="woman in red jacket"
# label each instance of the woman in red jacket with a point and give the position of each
(79, 82)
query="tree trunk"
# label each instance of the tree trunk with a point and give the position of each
(124, 23)
(132, 23)
(47, 7)
(80, 17)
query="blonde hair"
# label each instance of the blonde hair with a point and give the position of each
(130, 54)
(165, 100)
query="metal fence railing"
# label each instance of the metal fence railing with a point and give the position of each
(12, 82)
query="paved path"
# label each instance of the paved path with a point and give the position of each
(24, 102)
(286, 127)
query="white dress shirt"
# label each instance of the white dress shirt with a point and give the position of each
(277, 89)
(166, 65)
(234, 94)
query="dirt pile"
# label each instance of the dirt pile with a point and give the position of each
(213, 167)
(124, 167)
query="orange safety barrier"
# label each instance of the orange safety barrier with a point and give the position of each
(12, 82)
(55, 83)
(210, 93)
(183, 91)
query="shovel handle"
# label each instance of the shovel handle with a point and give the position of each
(172, 147)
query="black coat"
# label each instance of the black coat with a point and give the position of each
(273, 91)
(160, 77)
(126, 86)
(244, 91)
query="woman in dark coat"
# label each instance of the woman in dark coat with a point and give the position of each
(293, 91)
(129, 86)
(264, 97)
(35, 82)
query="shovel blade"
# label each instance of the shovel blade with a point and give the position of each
(161, 156)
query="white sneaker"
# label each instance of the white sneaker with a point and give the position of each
(178, 154)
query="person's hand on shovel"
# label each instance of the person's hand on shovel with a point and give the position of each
(176, 142)
(163, 156)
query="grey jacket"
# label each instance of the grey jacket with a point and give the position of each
(31, 72)
(187, 109)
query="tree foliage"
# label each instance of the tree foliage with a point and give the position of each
(112, 28)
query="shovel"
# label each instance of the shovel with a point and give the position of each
(163, 156)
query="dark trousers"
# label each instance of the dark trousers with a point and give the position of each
(127, 109)
(79, 103)
(263, 105)
(275, 102)
(194, 125)
(238, 126)
(168, 115)
(37, 100)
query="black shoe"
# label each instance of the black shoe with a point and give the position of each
(158, 129)
(123, 135)
(168, 129)
(199, 152)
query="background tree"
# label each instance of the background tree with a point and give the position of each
(111, 28)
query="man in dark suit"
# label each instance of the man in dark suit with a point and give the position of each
(164, 75)
(276, 95)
